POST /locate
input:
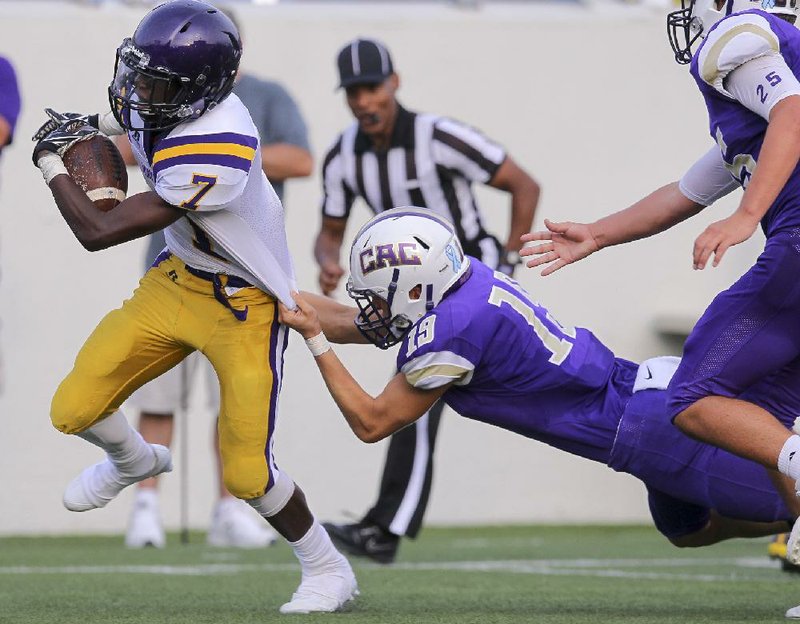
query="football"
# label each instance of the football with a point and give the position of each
(97, 167)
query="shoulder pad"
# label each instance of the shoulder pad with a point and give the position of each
(731, 43)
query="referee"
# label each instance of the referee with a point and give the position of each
(390, 157)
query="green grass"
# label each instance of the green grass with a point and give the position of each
(482, 575)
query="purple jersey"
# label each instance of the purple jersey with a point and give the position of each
(515, 367)
(739, 132)
(512, 365)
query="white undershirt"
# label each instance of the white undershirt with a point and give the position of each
(707, 179)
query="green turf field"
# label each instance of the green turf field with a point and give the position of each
(597, 575)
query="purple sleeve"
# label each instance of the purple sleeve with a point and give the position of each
(9, 95)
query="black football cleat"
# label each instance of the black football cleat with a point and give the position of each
(364, 539)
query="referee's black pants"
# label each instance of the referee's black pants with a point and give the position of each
(408, 471)
(407, 475)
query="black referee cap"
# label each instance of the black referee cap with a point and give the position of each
(364, 61)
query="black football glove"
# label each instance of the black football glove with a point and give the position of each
(59, 119)
(60, 139)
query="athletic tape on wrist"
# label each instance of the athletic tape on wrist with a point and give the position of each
(51, 165)
(318, 344)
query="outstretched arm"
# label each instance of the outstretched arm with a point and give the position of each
(370, 418)
(336, 319)
(567, 242)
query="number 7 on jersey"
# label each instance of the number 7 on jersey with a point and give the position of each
(206, 183)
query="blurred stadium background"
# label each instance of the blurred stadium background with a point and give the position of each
(584, 94)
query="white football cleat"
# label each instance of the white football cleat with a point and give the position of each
(793, 613)
(97, 485)
(325, 592)
(793, 544)
(144, 523)
(235, 525)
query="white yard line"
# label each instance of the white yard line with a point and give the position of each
(731, 569)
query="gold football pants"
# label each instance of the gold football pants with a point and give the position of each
(171, 314)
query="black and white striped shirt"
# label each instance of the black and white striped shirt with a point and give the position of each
(431, 162)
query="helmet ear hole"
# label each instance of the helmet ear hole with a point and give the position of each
(415, 293)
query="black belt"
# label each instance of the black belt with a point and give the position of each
(216, 279)
(219, 294)
(232, 281)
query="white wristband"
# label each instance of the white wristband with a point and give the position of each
(108, 124)
(318, 344)
(51, 165)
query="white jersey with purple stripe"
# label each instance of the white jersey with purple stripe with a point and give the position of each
(211, 168)
(739, 131)
(512, 365)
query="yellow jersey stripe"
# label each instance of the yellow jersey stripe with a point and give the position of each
(224, 149)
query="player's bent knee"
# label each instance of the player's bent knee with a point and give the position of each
(693, 540)
(243, 486)
(685, 418)
(683, 401)
(245, 477)
(706, 535)
(71, 412)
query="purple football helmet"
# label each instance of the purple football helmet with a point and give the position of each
(181, 61)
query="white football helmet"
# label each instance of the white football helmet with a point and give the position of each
(402, 263)
(696, 17)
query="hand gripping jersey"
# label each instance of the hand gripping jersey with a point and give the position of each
(211, 167)
(515, 367)
(738, 131)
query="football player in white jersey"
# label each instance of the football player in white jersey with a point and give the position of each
(214, 289)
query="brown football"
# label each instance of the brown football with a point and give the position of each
(97, 167)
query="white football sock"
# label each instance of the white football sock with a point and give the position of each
(125, 447)
(146, 497)
(315, 550)
(789, 458)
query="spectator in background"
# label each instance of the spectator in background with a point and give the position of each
(9, 102)
(285, 154)
(392, 157)
(9, 111)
